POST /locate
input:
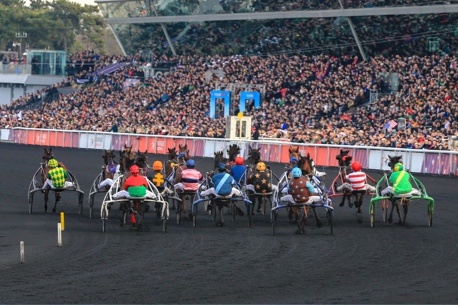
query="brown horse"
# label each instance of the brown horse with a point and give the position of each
(219, 158)
(183, 154)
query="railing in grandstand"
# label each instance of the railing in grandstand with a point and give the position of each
(375, 158)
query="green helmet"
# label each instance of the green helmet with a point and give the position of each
(52, 163)
(398, 167)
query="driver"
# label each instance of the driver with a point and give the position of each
(56, 177)
(355, 181)
(135, 186)
(400, 183)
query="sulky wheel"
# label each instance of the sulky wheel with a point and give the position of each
(80, 203)
(372, 213)
(329, 216)
(430, 214)
(104, 220)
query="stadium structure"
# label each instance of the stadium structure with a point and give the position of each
(262, 27)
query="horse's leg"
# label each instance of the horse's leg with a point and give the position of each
(220, 223)
(318, 220)
(390, 218)
(57, 198)
(300, 221)
(398, 209)
(46, 197)
(406, 209)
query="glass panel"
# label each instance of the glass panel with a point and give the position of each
(198, 7)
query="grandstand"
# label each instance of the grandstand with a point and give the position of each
(358, 27)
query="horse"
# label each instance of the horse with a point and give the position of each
(219, 158)
(141, 160)
(403, 201)
(307, 167)
(108, 159)
(126, 158)
(254, 156)
(344, 161)
(183, 155)
(48, 155)
(233, 152)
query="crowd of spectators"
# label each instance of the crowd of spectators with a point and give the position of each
(404, 35)
(308, 99)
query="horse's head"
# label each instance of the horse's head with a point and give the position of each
(141, 160)
(393, 160)
(233, 152)
(47, 155)
(172, 153)
(127, 158)
(109, 157)
(306, 164)
(343, 158)
(183, 153)
(254, 155)
(219, 158)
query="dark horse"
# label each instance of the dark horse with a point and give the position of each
(141, 160)
(344, 166)
(233, 152)
(108, 160)
(219, 158)
(404, 201)
(126, 158)
(48, 155)
(254, 156)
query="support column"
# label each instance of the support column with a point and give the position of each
(355, 35)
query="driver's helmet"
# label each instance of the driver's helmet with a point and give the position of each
(112, 168)
(239, 161)
(157, 165)
(221, 167)
(398, 167)
(261, 166)
(293, 160)
(134, 170)
(190, 163)
(53, 163)
(296, 172)
(356, 166)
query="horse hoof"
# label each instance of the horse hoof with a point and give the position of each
(390, 220)
(220, 224)
(319, 224)
(54, 210)
(341, 204)
(350, 204)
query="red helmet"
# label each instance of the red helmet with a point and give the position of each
(356, 166)
(239, 161)
(134, 169)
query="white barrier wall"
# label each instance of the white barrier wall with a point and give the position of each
(417, 161)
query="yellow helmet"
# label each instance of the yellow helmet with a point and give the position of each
(157, 165)
(53, 163)
(261, 166)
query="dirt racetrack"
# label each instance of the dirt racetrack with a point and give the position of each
(207, 264)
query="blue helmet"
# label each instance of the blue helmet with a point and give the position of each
(296, 172)
(293, 159)
(221, 167)
(190, 163)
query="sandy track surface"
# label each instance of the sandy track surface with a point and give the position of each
(208, 264)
